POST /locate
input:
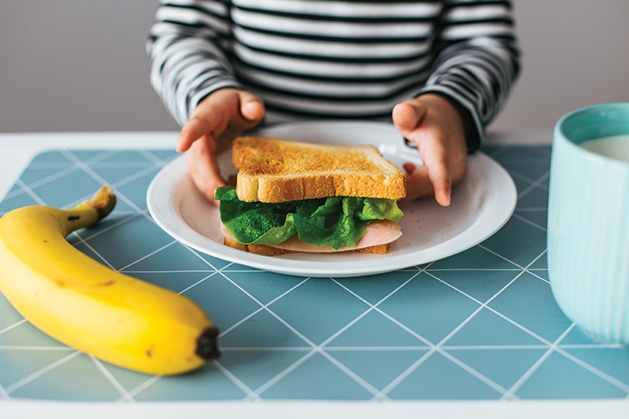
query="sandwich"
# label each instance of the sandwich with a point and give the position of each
(295, 196)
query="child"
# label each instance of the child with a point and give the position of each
(439, 70)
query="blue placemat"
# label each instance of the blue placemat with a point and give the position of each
(481, 325)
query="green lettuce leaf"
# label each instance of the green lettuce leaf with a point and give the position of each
(335, 221)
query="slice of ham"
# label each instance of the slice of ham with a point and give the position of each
(377, 232)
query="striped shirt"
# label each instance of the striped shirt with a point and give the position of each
(335, 59)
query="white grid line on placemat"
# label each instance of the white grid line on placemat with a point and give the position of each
(551, 348)
(438, 347)
(90, 172)
(42, 371)
(124, 393)
(433, 348)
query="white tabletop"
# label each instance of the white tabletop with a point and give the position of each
(16, 151)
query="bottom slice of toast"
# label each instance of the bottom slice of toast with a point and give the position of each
(264, 250)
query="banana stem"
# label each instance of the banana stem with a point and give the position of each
(87, 213)
(103, 201)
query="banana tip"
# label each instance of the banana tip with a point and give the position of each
(207, 346)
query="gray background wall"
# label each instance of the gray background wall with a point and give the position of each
(80, 65)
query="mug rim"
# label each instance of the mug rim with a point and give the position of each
(559, 133)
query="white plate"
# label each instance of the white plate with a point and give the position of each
(481, 204)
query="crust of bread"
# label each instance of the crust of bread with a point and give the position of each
(272, 170)
(264, 250)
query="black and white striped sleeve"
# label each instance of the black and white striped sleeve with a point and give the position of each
(478, 60)
(187, 52)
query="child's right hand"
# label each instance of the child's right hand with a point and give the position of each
(436, 127)
(214, 124)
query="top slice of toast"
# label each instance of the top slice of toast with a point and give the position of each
(272, 170)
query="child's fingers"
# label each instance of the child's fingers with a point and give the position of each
(210, 118)
(442, 187)
(435, 158)
(407, 116)
(433, 176)
(420, 183)
(434, 126)
(190, 132)
(204, 169)
(200, 125)
(226, 112)
(251, 107)
(417, 182)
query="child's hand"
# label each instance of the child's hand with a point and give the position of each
(217, 120)
(436, 127)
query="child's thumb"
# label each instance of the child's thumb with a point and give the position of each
(251, 107)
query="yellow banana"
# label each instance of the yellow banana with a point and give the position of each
(86, 305)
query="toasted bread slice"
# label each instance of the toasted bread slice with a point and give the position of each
(272, 170)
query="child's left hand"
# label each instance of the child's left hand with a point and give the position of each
(433, 124)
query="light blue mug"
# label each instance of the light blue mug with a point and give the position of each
(588, 220)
